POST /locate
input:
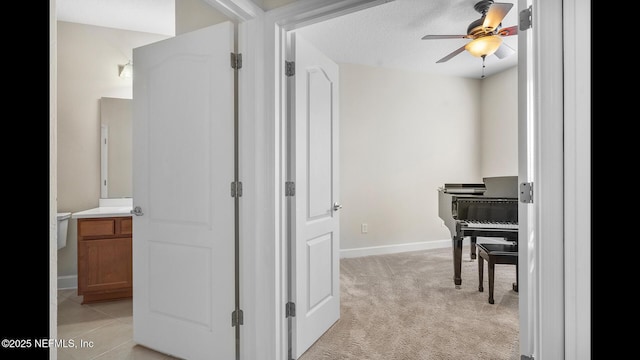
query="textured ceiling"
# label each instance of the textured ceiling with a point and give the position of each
(151, 16)
(387, 35)
(390, 35)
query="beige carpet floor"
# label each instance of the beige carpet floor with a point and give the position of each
(405, 307)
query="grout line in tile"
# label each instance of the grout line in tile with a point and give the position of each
(103, 312)
(111, 348)
(111, 321)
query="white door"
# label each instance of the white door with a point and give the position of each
(183, 164)
(315, 245)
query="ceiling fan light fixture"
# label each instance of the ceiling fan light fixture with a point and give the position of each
(484, 46)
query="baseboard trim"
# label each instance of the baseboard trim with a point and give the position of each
(396, 248)
(67, 282)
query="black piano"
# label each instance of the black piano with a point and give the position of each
(489, 209)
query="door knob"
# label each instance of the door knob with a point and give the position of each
(137, 211)
(336, 206)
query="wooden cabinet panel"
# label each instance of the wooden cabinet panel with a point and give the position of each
(105, 258)
(106, 264)
(126, 226)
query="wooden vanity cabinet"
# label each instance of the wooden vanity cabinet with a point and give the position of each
(105, 258)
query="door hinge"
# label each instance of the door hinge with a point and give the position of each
(237, 318)
(236, 189)
(526, 192)
(525, 19)
(290, 188)
(290, 309)
(236, 61)
(289, 68)
(525, 357)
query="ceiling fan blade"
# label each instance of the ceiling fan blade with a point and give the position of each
(512, 30)
(448, 57)
(428, 37)
(494, 16)
(503, 51)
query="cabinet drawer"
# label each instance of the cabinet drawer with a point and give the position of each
(97, 227)
(104, 227)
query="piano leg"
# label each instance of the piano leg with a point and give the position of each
(457, 261)
(473, 247)
(515, 284)
(480, 274)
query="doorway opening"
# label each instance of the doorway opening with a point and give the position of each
(388, 153)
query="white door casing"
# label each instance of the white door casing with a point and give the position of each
(549, 19)
(526, 215)
(315, 244)
(526, 172)
(183, 157)
(540, 161)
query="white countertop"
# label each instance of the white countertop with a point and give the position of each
(107, 208)
(103, 211)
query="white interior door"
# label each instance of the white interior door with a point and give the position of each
(183, 164)
(316, 239)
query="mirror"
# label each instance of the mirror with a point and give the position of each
(116, 155)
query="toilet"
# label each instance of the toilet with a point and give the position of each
(63, 225)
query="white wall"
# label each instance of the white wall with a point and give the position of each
(403, 135)
(196, 14)
(499, 124)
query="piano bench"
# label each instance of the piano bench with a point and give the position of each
(496, 254)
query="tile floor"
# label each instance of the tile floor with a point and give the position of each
(108, 325)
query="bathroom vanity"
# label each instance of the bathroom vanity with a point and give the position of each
(104, 254)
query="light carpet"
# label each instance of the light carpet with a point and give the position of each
(405, 307)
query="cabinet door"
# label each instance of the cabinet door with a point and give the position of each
(105, 264)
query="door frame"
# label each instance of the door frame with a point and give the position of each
(576, 26)
(540, 113)
(263, 170)
(282, 20)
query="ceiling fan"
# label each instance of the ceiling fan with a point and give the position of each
(485, 33)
